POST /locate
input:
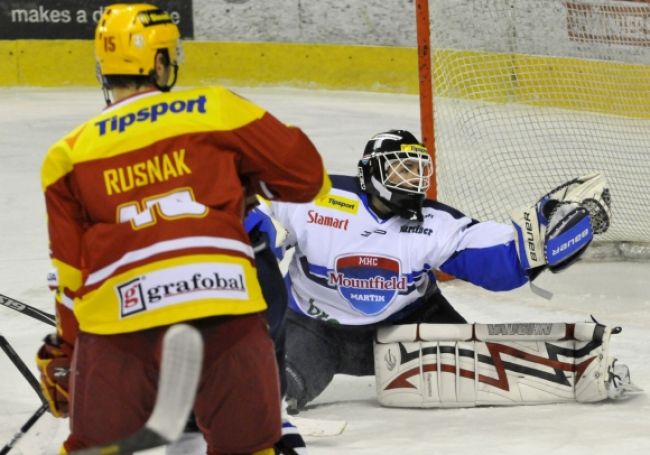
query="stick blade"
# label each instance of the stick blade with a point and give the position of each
(318, 427)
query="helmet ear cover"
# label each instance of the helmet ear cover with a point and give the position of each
(111, 81)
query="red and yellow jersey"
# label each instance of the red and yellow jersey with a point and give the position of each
(145, 205)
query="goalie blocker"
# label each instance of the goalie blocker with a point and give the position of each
(465, 365)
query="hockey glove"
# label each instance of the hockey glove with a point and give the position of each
(53, 361)
(263, 231)
(557, 230)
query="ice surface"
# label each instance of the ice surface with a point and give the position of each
(339, 124)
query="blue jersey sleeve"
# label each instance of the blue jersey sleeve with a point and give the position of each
(487, 257)
(256, 220)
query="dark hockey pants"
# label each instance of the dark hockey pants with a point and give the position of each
(318, 350)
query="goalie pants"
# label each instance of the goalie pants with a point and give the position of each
(317, 350)
(237, 405)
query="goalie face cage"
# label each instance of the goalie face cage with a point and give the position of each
(408, 171)
(530, 93)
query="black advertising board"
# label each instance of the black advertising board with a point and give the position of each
(74, 19)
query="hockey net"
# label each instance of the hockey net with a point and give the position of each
(531, 93)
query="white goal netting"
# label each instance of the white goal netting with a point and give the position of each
(531, 93)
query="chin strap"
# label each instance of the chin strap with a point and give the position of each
(107, 95)
(102, 80)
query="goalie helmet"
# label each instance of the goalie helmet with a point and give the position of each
(128, 38)
(396, 168)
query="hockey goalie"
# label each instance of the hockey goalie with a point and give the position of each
(362, 272)
(464, 365)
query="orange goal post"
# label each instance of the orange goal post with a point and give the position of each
(518, 96)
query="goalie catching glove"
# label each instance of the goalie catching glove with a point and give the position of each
(53, 361)
(559, 227)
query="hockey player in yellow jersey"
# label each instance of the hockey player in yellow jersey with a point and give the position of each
(145, 204)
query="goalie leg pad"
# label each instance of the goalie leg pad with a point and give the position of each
(499, 365)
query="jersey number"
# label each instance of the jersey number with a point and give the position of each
(177, 204)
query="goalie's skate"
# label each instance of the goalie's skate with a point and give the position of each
(620, 383)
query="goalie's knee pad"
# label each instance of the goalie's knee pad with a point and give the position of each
(460, 365)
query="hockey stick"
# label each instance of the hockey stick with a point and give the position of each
(179, 377)
(31, 379)
(18, 362)
(24, 429)
(27, 310)
(318, 427)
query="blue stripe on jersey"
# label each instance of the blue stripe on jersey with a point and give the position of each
(456, 214)
(292, 304)
(346, 183)
(318, 271)
(495, 268)
(319, 275)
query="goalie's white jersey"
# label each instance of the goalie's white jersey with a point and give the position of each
(354, 268)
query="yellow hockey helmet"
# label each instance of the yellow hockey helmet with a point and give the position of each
(128, 36)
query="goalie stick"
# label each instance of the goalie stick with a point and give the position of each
(318, 427)
(27, 310)
(179, 377)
